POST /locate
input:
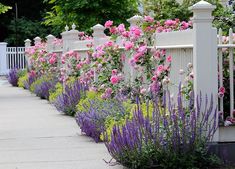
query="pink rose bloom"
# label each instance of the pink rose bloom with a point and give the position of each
(114, 72)
(169, 59)
(70, 53)
(184, 25)
(126, 34)
(54, 55)
(52, 60)
(109, 44)
(32, 73)
(222, 89)
(121, 28)
(78, 66)
(42, 60)
(154, 78)
(148, 19)
(136, 31)
(108, 24)
(142, 49)
(157, 54)
(113, 30)
(114, 79)
(128, 45)
(160, 68)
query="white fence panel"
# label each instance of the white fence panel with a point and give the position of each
(15, 58)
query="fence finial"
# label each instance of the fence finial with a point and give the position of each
(66, 28)
(73, 26)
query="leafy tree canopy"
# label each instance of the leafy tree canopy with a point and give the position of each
(4, 8)
(87, 13)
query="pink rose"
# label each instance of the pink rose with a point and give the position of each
(109, 44)
(114, 79)
(52, 60)
(160, 68)
(154, 78)
(142, 49)
(222, 90)
(148, 19)
(121, 28)
(78, 66)
(169, 59)
(114, 71)
(108, 24)
(136, 31)
(128, 45)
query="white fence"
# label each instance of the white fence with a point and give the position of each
(11, 57)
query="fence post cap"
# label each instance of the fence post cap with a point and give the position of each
(202, 5)
(135, 18)
(37, 38)
(3, 43)
(98, 27)
(27, 40)
(50, 36)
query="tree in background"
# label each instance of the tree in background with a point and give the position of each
(14, 30)
(4, 8)
(87, 13)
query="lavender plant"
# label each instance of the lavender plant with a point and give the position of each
(13, 77)
(29, 81)
(169, 138)
(68, 100)
(92, 120)
(42, 86)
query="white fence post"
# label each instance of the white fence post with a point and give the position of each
(205, 66)
(3, 58)
(129, 70)
(27, 44)
(37, 40)
(99, 39)
(50, 39)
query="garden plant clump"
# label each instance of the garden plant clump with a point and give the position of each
(167, 138)
(67, 101)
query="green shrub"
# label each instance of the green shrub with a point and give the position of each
(22, 80)
(56, 92)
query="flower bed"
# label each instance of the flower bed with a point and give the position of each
(134, 114)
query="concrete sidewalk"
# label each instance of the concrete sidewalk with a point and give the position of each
(34, 135)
